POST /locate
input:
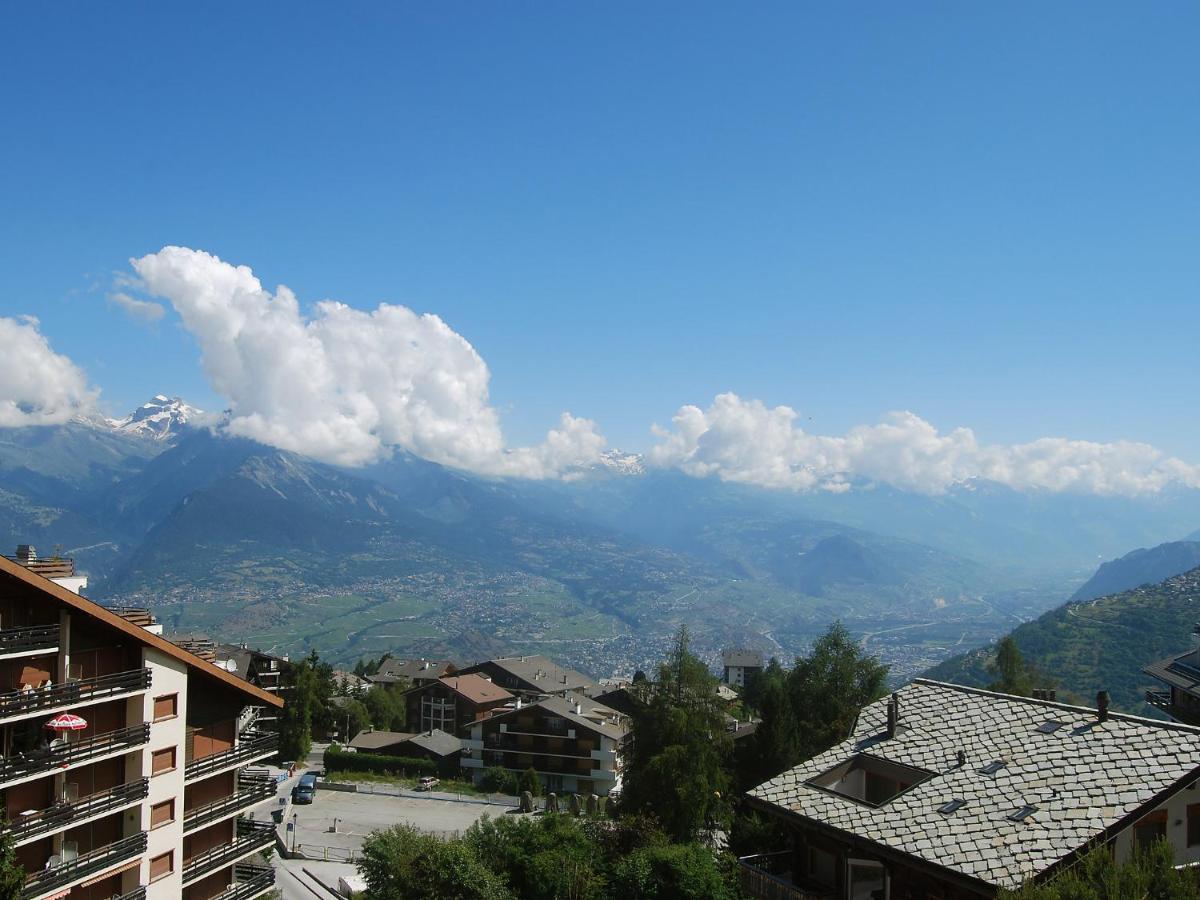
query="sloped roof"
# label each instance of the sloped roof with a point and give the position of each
(613, 724)
(378, 740)
(393, 670)
(476, 688)
(437, 742)
(96, 611)
(1179, 671)
(744, 658)
(543, 673)
(1087, 779)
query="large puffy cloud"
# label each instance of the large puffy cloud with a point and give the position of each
(745, 441)
(37, 385)
(343, 385)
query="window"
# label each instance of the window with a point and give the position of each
(162, 865)
(1152, 827)
(162, 761)
(162, 813)
(1049, 726)
(166, 707)
(1193, 820)
(1022, 814)
(952, 807)
(870, 779)
(993, 767)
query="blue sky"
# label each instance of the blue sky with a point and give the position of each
(988, 215)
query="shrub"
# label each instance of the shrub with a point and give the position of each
(530, 782)
(336, 759)
(497, 780)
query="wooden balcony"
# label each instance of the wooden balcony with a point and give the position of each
(61, 816)
(15, 705)
(54, 881)
(767, 876)
(32, 640)
(67, 754)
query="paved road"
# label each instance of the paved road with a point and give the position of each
(294, 884)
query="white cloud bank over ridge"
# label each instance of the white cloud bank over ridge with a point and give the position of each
(346, 386)
(744, 441)
(37, 385)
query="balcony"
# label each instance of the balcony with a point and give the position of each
(1159, 699)
(31, 640)
(250, 791)
(766, 876)
(249, 881)
(58, 878)
(45, 822)
(68, 754)
(138, 893)
(15, 705)
(251, 838)
(252, 746)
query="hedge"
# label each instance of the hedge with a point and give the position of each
(340, 761)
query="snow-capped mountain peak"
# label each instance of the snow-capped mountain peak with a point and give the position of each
(622, 463)
(160, 417)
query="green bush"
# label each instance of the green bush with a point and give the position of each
(530, 782)
(497, 780)
(339, 760)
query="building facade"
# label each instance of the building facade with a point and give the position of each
(741, 665)
(575, 745)
(146, 798)
(533, 676)
(452, 703)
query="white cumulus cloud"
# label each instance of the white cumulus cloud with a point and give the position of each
(140, 310)
(344, 385)
(745, 441)
(37, 385)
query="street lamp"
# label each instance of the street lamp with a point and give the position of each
(294, 817)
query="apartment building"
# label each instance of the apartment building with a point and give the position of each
(574, 744)
(146, 798)
(739, 666)
(532, 676)
(1180, 674)
(411, 672)
(955, 793)
(452, 703)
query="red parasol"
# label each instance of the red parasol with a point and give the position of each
(67, 722)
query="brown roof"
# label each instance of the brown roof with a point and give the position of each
(378, 740)
(475, 688)
(96, 611)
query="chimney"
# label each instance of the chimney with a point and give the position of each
(1102, 706)
(26, 552)
(893, 715)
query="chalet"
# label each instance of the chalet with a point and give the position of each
(451, 703)
(411, 672)
(574, 744)
(944, 791)
(533, 676)
(1180, 674)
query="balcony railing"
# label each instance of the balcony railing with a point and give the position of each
(250, 791)
(1159, 699)
(68, 693)
(28, 639)
(63, 815)
(63, 754)
(251, 836)
(767, 876)
(84, 865)
(250, 746)
(138, 893)
(248, 881)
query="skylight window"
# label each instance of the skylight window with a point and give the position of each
(869, 779)
(952, 807)
(1050, 726)
(993, 767)
(1022, 814)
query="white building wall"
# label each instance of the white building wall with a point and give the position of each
(168, 676)
(1176, 809)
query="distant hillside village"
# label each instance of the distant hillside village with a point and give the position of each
(142, 765)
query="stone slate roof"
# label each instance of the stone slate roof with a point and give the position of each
(475, 688)
(1084, 778)
(436, 742)
(540, 673)
(743, 658)
(391, 670)
(369, 741)
(1178, 671)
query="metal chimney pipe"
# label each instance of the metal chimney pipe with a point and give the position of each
(1102, 706)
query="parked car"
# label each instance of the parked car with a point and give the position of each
(428, 783)
(306, 790)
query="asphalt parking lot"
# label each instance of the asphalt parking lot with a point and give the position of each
(357, 815)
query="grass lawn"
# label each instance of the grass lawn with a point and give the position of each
(446, 785)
